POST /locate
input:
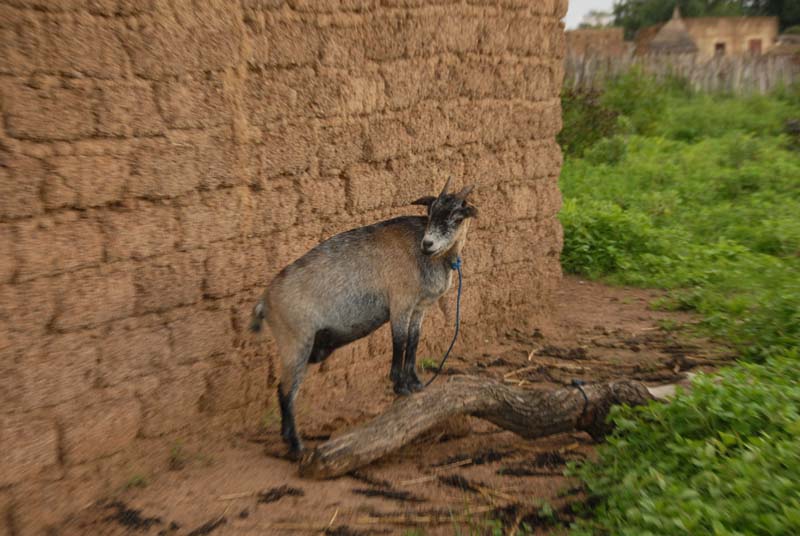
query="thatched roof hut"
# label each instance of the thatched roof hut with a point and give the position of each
(673, 37)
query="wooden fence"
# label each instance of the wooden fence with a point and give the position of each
(737, 75)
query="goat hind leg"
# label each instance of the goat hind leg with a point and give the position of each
(293, 369)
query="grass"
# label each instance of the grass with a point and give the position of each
(428, 363)
(699, 195)
(178, 457)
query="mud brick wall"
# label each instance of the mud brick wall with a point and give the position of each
(161, 160)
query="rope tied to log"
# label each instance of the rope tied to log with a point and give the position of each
(579, 384)
(455, 265)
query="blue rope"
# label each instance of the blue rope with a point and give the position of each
(456, 265)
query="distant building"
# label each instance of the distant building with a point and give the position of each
(787, 45)
(708, 36)
(596, 42)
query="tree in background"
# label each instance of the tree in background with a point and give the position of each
(787, 11)
(636, 14)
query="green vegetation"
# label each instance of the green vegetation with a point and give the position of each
(137, 481)
(427, 364)
(178, 457)
(636, 14)
(699, 195)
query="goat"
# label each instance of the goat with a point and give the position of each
(354, 282)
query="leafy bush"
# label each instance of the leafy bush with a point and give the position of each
(585, 121)
(702, 199)
(638, 97)
(724, 459)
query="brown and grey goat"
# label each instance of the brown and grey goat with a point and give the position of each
(352, 283)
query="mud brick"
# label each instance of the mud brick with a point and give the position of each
(478, 252)
(328, 6)
(275, 206)
(164, 168)
(193, 101)
(532, 200)
(52, 244)
(459, 33)
(386, 138)
(128, 109)
(410, 81)
(30, 112)
(30, 445)
(198, 334)
(541, 158)
(85, 181)
(21, 179)
(120, 7)
(175, 403)
(295, 243)
(142, 232)
(385, 37)
(289, 149)
(219, 215)
(370, 187)
(430, 126)
(472, 303)
(284, 43)
(20, 38)
(322, 197)
(221, 159)
(133, 348)
(417, 176)
(233, 267)
(185, 36)
(169, 281)
(83, 44)
(6, 510)
(334, 94)
(94, 296)
(224, 389)
(58, 368)
(340, 146)
(28, 307)
(271, 97)
(8, 262)
(343, 46)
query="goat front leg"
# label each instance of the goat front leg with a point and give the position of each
(413, 382)
(399, 334)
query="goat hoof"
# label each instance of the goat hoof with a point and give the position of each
(415, 385)
(295, 454)
(401, 389)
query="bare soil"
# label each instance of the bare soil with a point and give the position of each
(460, 476)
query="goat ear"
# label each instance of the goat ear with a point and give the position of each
(465, 191)
(470, 211)
(424, 201)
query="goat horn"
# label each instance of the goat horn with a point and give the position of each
(446, 186)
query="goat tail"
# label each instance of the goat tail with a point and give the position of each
(257, 317)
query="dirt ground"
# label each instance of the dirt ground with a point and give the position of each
(449, 481)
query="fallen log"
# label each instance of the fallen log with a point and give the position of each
(530, 413)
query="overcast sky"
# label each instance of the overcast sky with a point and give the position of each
(578, 8)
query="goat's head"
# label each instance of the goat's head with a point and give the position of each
(447, 215)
